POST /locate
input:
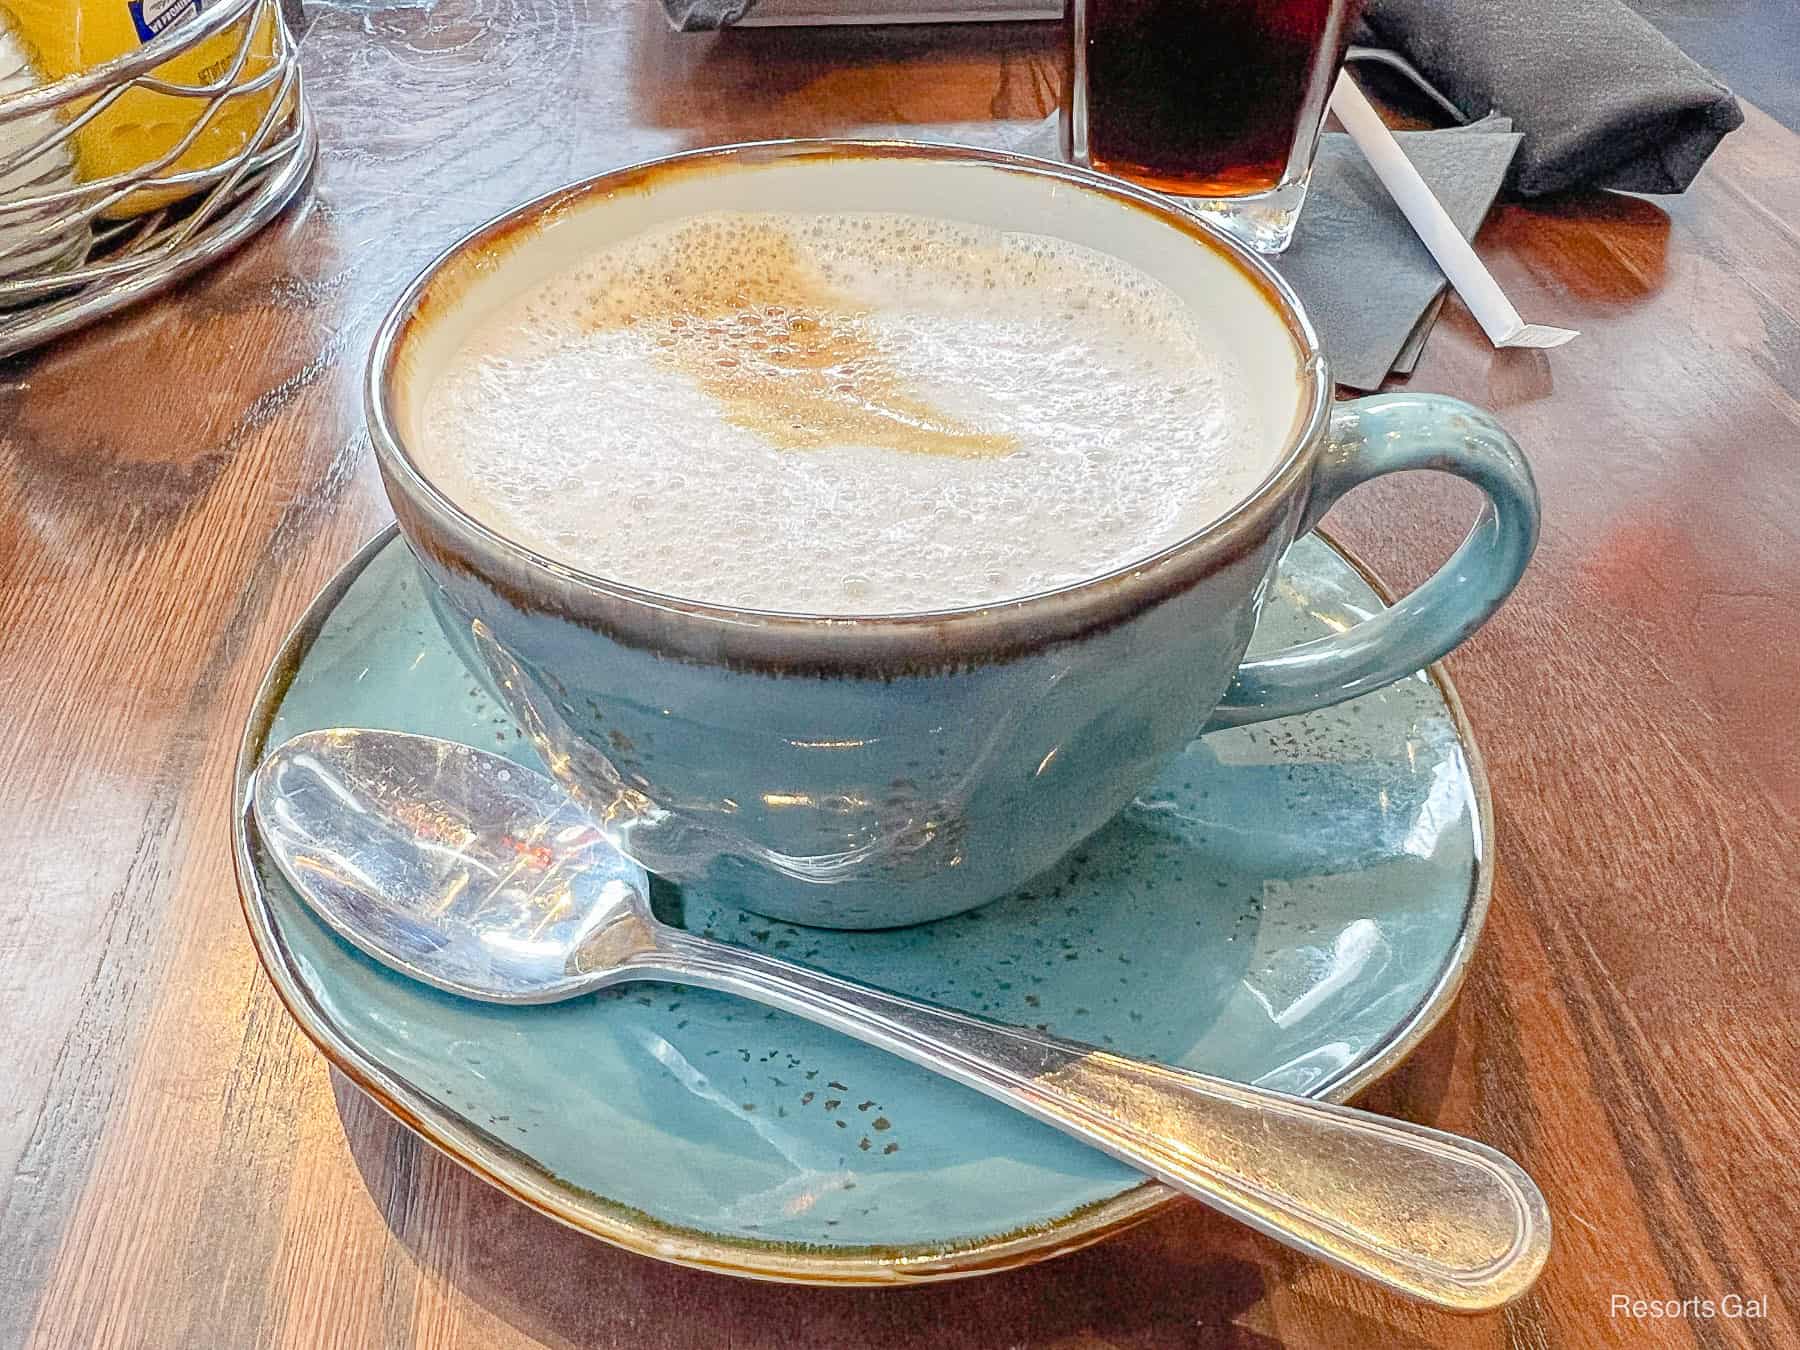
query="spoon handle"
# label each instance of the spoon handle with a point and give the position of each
(1429, 1214)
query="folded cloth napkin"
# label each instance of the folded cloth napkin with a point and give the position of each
(1602, 98)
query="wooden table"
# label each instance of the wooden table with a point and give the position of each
(179, 1167)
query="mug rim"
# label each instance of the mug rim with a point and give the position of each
(1096, 601)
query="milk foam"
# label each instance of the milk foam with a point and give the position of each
(846, 413)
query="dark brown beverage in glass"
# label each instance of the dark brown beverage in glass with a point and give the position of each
(1203, 98)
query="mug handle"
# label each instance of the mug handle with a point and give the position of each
(1370, 437)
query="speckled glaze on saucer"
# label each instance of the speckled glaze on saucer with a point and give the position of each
(1292, 903)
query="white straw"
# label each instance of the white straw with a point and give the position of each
(1480, 292)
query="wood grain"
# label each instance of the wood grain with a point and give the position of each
(179, 1169)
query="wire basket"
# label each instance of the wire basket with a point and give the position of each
(64, 261)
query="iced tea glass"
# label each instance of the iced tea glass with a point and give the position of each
(1215, 102)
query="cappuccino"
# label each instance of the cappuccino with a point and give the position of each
(851, 413)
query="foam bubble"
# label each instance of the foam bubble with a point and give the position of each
(843, 413)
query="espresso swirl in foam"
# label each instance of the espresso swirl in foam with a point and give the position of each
(845, 413)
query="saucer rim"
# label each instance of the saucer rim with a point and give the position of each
(512, 1171)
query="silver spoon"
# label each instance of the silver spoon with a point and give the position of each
(463, 869)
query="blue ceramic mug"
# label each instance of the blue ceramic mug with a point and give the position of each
(864, 772)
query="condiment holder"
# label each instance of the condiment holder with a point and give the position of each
(76, 246)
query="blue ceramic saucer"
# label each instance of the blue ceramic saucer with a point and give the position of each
(1293, 903)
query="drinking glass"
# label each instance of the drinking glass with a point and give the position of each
(1215, 102)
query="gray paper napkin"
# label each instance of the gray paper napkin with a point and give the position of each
(1414, 345)
(1364, 277)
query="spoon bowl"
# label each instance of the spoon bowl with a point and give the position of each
(451, 865)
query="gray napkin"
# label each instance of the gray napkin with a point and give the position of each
(1371, 287)
(1603, 99)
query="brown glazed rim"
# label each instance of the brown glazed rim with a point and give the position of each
(816, 643)
(521, 1177)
